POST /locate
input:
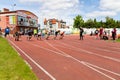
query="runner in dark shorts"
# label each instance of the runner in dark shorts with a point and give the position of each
(81, 33)
(48, 34)
(56, 33)
(62, 35)
(39, 35)
(30, 32)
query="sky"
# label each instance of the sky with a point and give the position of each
(66, 10)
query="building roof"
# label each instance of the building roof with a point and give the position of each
(53, 21)
(28, 12)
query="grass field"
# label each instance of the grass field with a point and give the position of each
(12, 66)
(118, 40)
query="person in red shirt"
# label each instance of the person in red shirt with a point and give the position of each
(101, 33)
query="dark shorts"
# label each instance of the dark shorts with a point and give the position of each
(39, 35)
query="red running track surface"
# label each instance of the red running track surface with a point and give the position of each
(71, 58)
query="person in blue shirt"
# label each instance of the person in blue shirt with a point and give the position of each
(7, 31)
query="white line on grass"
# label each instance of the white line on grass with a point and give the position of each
(40, 67)
(16, 50)
(28, 64)
(82, 62)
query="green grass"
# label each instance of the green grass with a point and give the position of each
(12, 66)
(118, 40)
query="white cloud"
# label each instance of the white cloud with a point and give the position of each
(30, 0)
(109, 8)
(59, 9)
(96, 14)
(110, 5)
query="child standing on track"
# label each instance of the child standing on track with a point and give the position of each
(114, 34)
(96, 33)
(81, 33)
(17, 36)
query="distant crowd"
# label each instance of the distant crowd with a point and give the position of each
(101, 34)
(38, 34)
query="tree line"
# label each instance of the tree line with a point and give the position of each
(93, 23)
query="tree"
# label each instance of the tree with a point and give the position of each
(93, 23)
(78, 21)
(89, 23)
(110, 22)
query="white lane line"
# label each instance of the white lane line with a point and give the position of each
(103, 69)
(94, 69)
(82, 62)
(40, 67)
(51, 50)
(102, 49)
(28, 64)
(108, 50)
(66, 55)
(16, 50)
(100, 72)
(99, 67)
(89, 52)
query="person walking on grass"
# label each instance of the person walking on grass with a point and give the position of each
(81, 33)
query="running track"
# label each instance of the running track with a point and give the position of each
(70, 58)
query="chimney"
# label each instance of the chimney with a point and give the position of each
(5, 10)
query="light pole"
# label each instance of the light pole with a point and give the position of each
(13, 6)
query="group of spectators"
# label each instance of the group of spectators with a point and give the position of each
(105, 35)
(99, 33)
(40, 34)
